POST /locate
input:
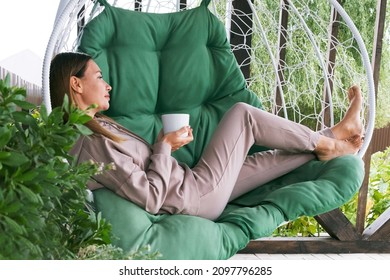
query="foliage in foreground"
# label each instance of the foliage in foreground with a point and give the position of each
(107, 251)
(44, 208)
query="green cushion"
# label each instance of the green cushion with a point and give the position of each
(182, 62)
(160, 63)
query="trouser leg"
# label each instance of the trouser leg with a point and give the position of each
(220, 165)
(273, 164)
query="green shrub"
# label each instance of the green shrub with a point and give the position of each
(378, 197)
(42, 195)
(44, 207)
(379, 187)
(104, 252)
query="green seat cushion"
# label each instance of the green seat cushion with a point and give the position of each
(311, 189)
(182, 62)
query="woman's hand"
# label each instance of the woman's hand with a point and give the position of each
(176, 139)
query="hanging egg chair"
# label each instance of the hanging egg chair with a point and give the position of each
(295, 59)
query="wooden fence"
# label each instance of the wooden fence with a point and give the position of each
(380, 139)
(34, 92)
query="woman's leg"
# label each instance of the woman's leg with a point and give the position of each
(263, 167)
(279, 163)
(244, 125)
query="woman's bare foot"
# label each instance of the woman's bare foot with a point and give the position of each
(329, 148)
(351, 124)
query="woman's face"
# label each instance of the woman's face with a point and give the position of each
(92, 89)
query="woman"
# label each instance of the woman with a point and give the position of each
(150, 177)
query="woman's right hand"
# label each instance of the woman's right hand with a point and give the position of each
(175, 139)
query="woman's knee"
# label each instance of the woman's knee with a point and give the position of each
(241, 106)
(240, 109)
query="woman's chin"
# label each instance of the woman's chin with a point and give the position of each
(105, 107)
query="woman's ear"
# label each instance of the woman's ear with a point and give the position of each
(75, 84)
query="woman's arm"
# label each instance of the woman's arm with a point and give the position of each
(147, 187)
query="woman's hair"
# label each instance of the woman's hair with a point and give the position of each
(62, 68)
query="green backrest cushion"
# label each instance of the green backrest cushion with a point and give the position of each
(162, 63)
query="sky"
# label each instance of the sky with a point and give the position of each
(26, 25)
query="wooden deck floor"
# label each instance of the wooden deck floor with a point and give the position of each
(311, 257)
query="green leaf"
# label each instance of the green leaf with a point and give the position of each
(29, 194)
(43, 113)
(19, 93)
(27, 176)
(23, 118)
(7, 80)
(14, 159)
(5, 136)
(65, 103)
(83, 129)
(84, 118)
(13, 208)
(60, 140)
(24, 104)
(13, 226)
(4, 155)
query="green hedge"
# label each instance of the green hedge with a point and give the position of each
(44, 207)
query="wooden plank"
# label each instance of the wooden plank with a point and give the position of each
(314, 245)
(331, 63)
(338, 226)
(379, 229)
(183, 5)
(241, 23)
(362, 196)
(380, 139)
(376, 61)
(283, 22)
(378, 40)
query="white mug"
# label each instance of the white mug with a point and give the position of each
(173, 122)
